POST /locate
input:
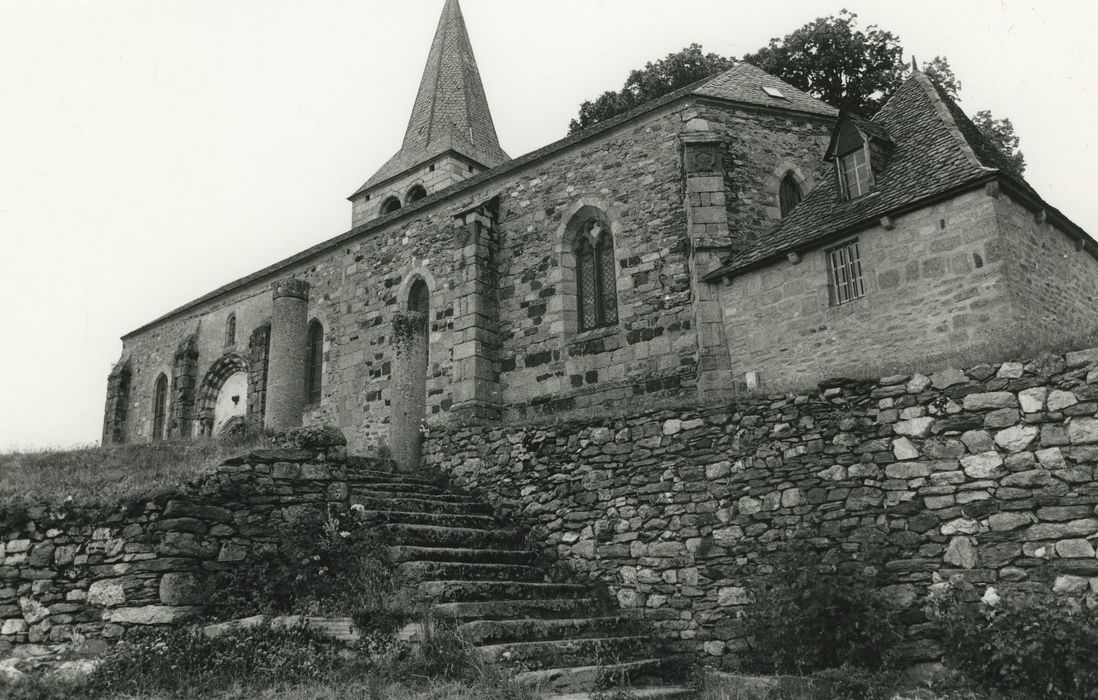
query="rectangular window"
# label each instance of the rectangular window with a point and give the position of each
(844, 272)
(854, 170)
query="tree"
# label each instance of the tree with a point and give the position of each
(835, 61)
(1001, 133)
(666, 75)
(939, 72)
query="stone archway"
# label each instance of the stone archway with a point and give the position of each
(222, 397)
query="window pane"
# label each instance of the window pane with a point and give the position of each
(586, 285)
(608, 292)
(844, 268)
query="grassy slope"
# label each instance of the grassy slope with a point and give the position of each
(107, 476)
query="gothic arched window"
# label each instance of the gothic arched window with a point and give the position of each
(230, 330)
(789, 194)
(390, 205)
(596, 279)
(160, 409)
(415, 194)
(314, 358)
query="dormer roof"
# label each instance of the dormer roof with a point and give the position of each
(451, 111)
(937, 152)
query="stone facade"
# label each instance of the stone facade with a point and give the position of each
(75, 579)
(988, 474)
(936, 282)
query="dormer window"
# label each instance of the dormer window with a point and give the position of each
(855, 175)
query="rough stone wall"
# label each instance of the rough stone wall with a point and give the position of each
(988, 474)
(1053, 282)
(78, 578)
(936, 283)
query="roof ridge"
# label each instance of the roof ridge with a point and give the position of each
(942, 110)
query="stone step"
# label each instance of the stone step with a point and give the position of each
(420, 505)
(405, 487)
(663, 692)
(584, 679)
(460, 591)
(367, 492)
(403, 553)
(557, 652)
(418, 571)
(485, 632)
(517, 609)
(410, 534)
(440, 519)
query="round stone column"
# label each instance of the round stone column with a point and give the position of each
(286, 364)
(408, 389)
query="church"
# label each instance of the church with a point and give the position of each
(734, 235)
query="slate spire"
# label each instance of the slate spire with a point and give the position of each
(451, 110)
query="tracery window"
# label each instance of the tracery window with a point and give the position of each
(789, 194)
(160, 409)
(314, 377)
(596, 279)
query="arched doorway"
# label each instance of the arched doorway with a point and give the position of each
(222, 398)
(410, 338)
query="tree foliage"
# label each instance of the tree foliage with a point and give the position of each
(666, 75)
(832, 59)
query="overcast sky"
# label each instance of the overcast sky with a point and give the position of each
(153, 150)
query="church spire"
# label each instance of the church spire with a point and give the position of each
(451, 110)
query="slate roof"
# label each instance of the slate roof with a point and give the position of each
(937, 150)
(451, 110)
(744, 83)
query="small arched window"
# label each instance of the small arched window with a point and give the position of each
(230, 330)
(419, 298)
(596, 279)
(160, 409)
(390, 205)
(789, 194)
(415, 194)
(314, 354)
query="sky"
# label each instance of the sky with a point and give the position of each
(153, 150)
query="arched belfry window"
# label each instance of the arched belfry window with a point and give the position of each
(314, 358)
(415, 194)
(789, 194)
(390, 205)
(596, 279)
(419, 298)
(160, 409)
(230, 330)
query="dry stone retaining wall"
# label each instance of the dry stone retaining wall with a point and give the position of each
(987, 474)
(74, 579)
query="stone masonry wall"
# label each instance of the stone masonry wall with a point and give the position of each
(988, 474)
(74, 579)
(936, 283)
(1053, 281)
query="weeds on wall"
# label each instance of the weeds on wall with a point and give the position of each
(810, 614)
(325, 561)
(1036, 644)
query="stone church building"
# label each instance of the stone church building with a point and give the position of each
(734, 233)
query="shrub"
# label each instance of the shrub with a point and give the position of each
(809, 615)
(325, 561)
(1040, 645)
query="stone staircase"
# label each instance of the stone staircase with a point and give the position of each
(472, 570)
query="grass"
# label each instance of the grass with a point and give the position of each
(107, 476)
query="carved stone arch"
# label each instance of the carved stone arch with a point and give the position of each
(206, 399)
(563, 304)
(415, 192)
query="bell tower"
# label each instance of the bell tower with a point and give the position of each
(450, 135)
